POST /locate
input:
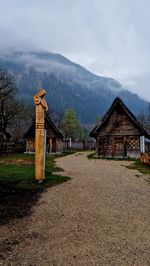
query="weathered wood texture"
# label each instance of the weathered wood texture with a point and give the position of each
(41, 107)
(54, 138)
(53, 142)
(119, 133)
(119, 136)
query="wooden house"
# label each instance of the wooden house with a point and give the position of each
(54, 137)
(120, 134)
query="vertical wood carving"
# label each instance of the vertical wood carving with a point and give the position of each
(41, 107)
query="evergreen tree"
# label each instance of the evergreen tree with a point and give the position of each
(71, 126)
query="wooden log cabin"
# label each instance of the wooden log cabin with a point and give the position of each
(54, 137)
(119, 134)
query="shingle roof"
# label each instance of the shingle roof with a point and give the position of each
(116, 102)
(31, 130)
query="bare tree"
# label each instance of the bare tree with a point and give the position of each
(148, 117)
(10, 107)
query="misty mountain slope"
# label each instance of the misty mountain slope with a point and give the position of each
(68, 85)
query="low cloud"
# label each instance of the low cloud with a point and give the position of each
(108, 37)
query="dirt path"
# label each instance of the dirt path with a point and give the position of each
(100, 217)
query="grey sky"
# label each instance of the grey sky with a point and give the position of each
(108, 37)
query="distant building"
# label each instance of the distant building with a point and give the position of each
(54, 137)
(120, 134)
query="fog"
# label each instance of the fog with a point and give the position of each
(110, 38)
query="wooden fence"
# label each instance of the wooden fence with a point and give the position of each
(79, 145)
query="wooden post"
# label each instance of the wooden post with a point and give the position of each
(142, 144)
(70, 142)
(41, 107)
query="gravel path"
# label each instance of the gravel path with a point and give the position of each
(100, 217)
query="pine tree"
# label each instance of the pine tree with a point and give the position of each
(71, 126)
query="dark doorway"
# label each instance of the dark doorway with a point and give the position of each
(54, 145)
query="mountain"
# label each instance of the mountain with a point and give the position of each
(68, 85)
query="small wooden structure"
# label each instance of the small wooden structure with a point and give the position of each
(119, 134)
(54, 137)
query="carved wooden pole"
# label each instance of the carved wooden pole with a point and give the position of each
(41, 107)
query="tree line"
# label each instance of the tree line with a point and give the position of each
(12, 111)
(16, 116)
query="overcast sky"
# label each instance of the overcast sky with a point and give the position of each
(108, 37)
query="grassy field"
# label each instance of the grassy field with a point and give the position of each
(19, 190)
(20, 169)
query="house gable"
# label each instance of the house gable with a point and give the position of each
(119, 119)
(119, 123)
(119, 132)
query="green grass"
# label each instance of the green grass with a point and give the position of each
(92, 155)
(70, 152)
(23, 175)
(143, 169)
(137, 165)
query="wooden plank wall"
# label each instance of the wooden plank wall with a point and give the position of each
(119, 136)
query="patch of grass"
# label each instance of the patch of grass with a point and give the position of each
(137, 165)
(19, 190)
(17, 156)
(69, 152)
(50, 165)
(24, 175)
(92, 156)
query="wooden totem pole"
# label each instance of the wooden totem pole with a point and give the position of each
(41, 107)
